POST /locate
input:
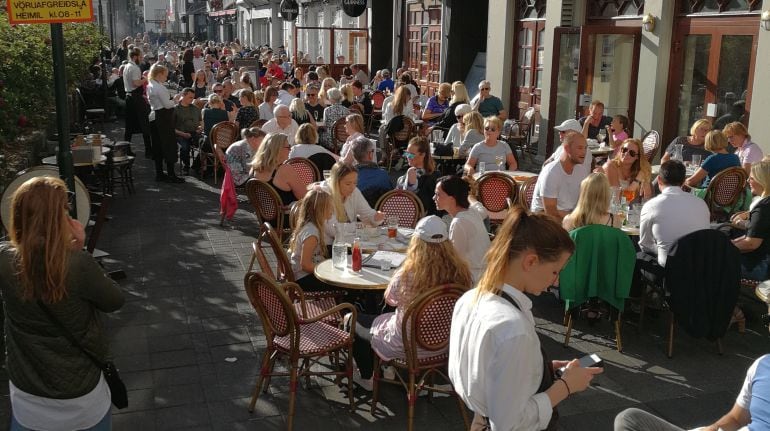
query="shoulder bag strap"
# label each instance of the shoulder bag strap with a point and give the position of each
(69, 336)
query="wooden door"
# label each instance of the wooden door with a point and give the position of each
(529, 66)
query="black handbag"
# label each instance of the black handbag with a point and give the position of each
(119, 394)
(446, 149)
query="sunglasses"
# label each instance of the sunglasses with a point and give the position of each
(312, 95)
(459, 118)
(409, 155)
(625, 150)
(485, 89)
(217, 91)
(490, 129)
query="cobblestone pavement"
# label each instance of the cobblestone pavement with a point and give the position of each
(187, 316)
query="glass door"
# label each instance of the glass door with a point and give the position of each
(564, 79)
(712, 68)
(609, 63)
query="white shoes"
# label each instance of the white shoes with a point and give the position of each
(365, 384)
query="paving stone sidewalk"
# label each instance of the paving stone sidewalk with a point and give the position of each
(187, 316)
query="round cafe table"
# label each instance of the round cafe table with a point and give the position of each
(52, 161)
(380, 240)
(367, 279)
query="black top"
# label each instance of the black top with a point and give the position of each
(687, 149)
(448, 118)
(594, 130)
(287, 197)
(316, 111)
(188, 69)
(759, 227)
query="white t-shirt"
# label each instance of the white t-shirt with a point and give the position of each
(272, 127)
(470, 238)
(554, 182)
(453, 136)
(307, 150)
(484, 153)
(265, 111)
(306, 232)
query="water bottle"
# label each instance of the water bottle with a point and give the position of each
(356, 258)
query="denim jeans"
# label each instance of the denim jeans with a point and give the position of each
(104, 425)
(758, 272)
(184, 148)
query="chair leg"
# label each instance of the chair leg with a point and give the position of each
(263, 372)
(292, 395)
(375, 383)
(618, 339)
(349, 372)
(463, 410)
(569, 328)
(670, 334)
(642, 306)
(216, 161)
(411, 399)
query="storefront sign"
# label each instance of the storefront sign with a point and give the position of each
(354, 8)
(49, 11)
(289, 10)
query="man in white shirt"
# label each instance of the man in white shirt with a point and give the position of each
(558, 186)
(137, 108)
(672, 214)
(282, 123)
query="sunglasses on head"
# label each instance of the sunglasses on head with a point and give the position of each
(625, 150)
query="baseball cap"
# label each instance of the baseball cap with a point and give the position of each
(431, 229)
(568, 125)
(463, 109)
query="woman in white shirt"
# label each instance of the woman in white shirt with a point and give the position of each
(467, 231)
(496, 363)
(401, 105)
(349, 203)
(162, 125)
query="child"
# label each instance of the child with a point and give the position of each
(306, 244)
(617, 132)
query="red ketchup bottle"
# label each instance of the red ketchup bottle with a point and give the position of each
(356, 258)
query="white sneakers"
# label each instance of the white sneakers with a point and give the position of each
(365, 384)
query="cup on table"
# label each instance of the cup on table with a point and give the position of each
(482, 167)
(392, 226)
(696, 159)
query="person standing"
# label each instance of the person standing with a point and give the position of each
(137, 108)
(52, 383)
(162, 125)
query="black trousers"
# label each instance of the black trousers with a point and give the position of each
(137, 110)
(164, 141)
(362, 345)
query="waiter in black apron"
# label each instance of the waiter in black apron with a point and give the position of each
(137, 108)
(162, 125)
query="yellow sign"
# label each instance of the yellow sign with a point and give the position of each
(49, 11)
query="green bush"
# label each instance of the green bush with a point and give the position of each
(26, 70)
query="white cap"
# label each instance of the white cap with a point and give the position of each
(568, 125)
(431, 229)
(463, 109)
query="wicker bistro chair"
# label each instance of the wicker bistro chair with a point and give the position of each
(651, 144)
(404, 204)
(306, 170)
(281, 270)
(495, 189)
(339, 135)
(527, 192)
(425, 327)
(724, 191)
(222, 135)
(268, 206)
(297, 338)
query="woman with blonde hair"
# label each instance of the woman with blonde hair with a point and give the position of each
(44, 271)
(162, 125)
(307, 244)
(630, 169)
(326, 85)
(401, 105)
(201, 84)
(495, 154)
(593, 206)
(472, 131)
(300, 114)
(719, 160)
(755, 244)
(459, 97)
(348, 98)
(747, 151)
(248, 112)
(306, 143)
(692, 144)
(349, 204)
(431, 261)
(354, 127)
(268, 166)
(495, 321)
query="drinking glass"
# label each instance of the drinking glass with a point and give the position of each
(339, 255)
(696, 159)
(629, 194)
(600, 136)
(482, 168)
(392, 226)
(500, 160)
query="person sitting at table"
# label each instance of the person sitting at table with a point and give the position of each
(565, 127)
(431, 261)
(313, 106)
(496, 363)
(299, 113)
(239, 155)
(282, 123)
(323, 95)
(248, 112)
(459, 97)
(719, 160)
(354, 127)
(373, 181)
(306, 143)
(437, 104)
(268, 166)
(307, 243)
(466, 231)
(617, 133)
(268, 105)
(472, 132)
(593, 205)
(747, 151)
(755, 244)
(349, 203)
(488, 105)
(692, 144)
(386, 83)
(491, 151)
(595, 122)
(558, 186)
(331, 114)
(667, 217)
(421, 175)
(457, 130)
(630, 170)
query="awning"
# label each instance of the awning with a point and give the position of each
(222, 12)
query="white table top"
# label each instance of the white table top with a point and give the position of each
(512, 174)
(630, 230)
(52, 161)
(367, 279)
